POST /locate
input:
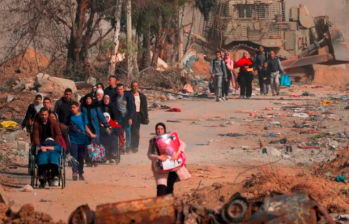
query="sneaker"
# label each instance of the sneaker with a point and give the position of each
(225, 98)
(54, 182)
(112, 161)
(81, 177)
(75, 176)
(221, 100)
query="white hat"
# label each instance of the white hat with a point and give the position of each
(106, 114)
(100, 91)
(49, 139)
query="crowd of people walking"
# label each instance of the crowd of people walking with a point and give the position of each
(110, 117)
(266, 65)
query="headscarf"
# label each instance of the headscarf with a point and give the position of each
(248, 54)
(89, 95)
(40, 105)
(100, 91)
(160, 124)
(106, 114)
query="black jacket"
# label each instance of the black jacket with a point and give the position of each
(266, 74)
(143, 110)
(111, 92)
(246, 74)
(31, 114)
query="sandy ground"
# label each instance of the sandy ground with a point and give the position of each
(219, 161)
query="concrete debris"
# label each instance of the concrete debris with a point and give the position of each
(10, 136)
(91, 80)
(10, 98)
(23, 146)
(26, 188)
(271, 151)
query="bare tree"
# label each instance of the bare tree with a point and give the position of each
(116, 41)
(72, 26)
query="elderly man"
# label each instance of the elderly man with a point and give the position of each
(140, 115)
(275, 68)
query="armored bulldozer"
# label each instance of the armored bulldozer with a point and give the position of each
(300, 41)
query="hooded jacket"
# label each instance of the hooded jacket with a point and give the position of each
(33, 110)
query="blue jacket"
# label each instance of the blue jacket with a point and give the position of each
(96, 115)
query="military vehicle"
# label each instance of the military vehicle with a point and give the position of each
(300, 42)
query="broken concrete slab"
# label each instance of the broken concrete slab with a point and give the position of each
(10, 98)
(91, 80)
(271, 151)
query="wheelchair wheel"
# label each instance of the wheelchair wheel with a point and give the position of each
(63, 177)
(118, 155)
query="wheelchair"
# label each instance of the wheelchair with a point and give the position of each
(33, 168)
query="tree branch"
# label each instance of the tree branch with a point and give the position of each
(100, 38)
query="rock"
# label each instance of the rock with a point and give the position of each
(65, 83)
(3, 197)
(170, 97)
(301, 115)
(150, 98)
(7, 116)
(10, 98)
(163, 97)
(92, 81)
(23, 146)
(157, 96)
(271, 151)
(27, 188)
(11, 136)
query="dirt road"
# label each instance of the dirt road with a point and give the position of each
(210, 158)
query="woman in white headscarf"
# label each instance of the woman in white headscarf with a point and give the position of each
(33, 111)
(245, 76)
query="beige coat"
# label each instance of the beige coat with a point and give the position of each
(161, 178)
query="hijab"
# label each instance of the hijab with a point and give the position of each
(160, 124)
(248, 54)
(40, 105)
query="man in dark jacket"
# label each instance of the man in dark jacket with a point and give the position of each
(125, 104)
(275, 68)
(261, 57)
(45, 128)
(218, 71)
(62, 107)
(111, 90)
(140, 115)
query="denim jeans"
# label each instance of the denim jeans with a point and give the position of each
(124, 121)
(78, 152)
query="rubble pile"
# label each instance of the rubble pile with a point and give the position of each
(266, 180)
(24, 65)
(26, 215)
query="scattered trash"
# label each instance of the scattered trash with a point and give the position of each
(6, 124)
(340, 179)
(231, 135)
(174, 109)
(45, 200)
(326, 102)
(300, 115)
(174, 121)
